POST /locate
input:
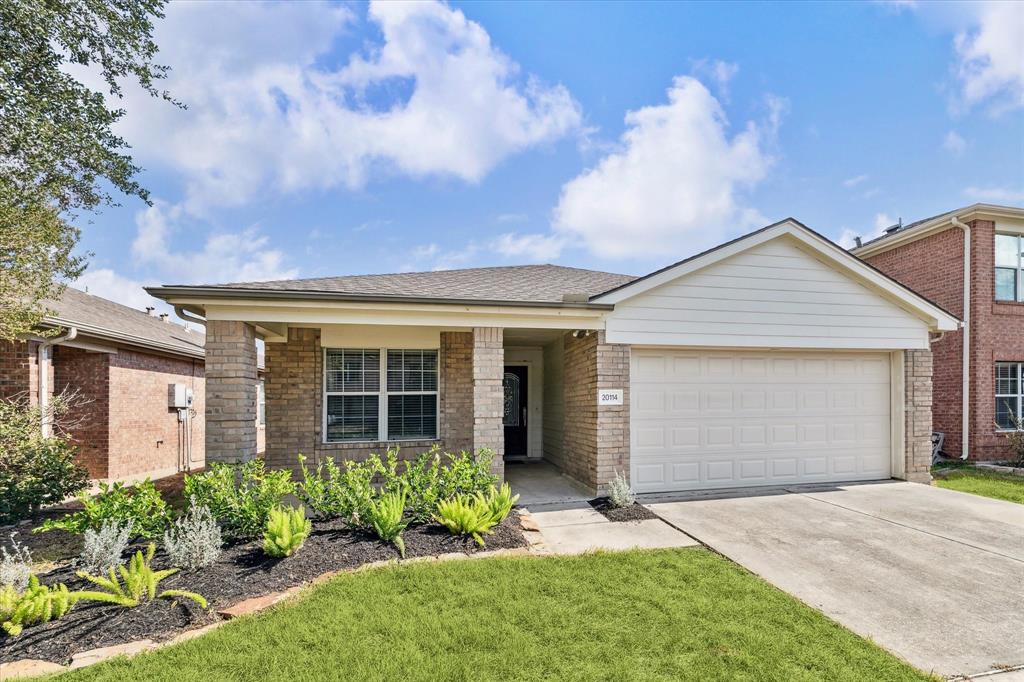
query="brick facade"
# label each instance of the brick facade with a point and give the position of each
(294, 387)
(488, 394)
(87, 374)
(933, 266)
(917, 382)
(18, 370)
(231, 377)
(595, 439)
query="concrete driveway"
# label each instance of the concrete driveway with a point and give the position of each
(935, 576)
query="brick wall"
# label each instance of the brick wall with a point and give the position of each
(917, 371)
(595, 439)
(146, 438)
(933, 266)
(489, 394)
(87, 374)
(294, 375)
(230, 391)
(18, 373)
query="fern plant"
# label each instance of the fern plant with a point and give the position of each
(286, 530)
(385, 516)
(130, 585)
(36, 604)
(476, 515)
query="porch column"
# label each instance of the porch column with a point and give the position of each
(488, 395)
(917, 410)
(230, 391)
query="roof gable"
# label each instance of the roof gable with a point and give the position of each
(809, 242)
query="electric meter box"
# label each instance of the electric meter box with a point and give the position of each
(179, 396)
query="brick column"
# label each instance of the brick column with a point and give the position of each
(596, 439)
(488, 394)
(292, 381)
(917, 377)
(230, 391)
(456, 391)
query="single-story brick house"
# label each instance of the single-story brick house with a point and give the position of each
(970, 261)
(121, 361)
(776, 358)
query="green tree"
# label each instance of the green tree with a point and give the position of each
(58, 151)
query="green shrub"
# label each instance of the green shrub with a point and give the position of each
(240, 496)
(130, 585)
(385, 517)
(34, 471)
(36, 604)
(466, 473)
(420, 480)
(286, 530)
(332, 493)
(140, 505)
(475, 515)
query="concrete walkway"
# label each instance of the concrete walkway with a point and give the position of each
(933, 575)
(574, 529)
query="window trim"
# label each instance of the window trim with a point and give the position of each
(382, 397)
(1019, 395)
(1019, 280)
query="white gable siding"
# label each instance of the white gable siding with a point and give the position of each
(771, 296)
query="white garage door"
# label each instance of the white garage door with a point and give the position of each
(729, 419)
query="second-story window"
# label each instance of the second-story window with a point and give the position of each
(1009, 267)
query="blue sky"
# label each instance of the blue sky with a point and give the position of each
(328, 139)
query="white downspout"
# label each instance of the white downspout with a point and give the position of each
(43, 366)
(966, 387)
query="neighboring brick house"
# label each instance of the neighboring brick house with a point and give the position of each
(929, 256)
(120, 361)
(776, 358)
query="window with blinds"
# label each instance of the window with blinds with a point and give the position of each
(367, 400)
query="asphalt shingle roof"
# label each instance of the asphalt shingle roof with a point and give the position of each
(520, 283)
(121, 322)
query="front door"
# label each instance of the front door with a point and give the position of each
(515, 386)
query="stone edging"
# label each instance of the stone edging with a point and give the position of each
(1016, 471)
(29, 667)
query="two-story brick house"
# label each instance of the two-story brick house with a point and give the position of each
(971, 262)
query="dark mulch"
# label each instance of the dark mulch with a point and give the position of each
(634, 512)
(242, 572)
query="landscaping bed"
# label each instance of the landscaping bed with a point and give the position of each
(242, 571)
(633, 512)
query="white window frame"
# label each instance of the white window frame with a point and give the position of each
(1019, 294)
(383, 393)
(1019, 395)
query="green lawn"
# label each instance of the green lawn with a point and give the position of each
(665, 615)
(988, 483)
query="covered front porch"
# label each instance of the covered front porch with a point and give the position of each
(529, 394)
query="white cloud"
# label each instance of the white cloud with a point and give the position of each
(953, 143)
(674, 184)
(106, 283)
(854, 181)
(1003, 195)
(716, 71)
(848, 239)
(990, 55)
(271, 110)
(161, 242)
(529, 247)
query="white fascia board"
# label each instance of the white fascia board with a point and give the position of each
(915, 304)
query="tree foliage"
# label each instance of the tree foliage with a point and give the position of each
(58, 151)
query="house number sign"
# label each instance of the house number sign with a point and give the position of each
(609, 396)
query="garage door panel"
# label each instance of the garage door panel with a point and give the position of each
(735, 419)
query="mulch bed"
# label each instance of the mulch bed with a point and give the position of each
(241, 572)
(634, 512)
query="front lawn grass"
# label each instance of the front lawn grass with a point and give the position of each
(988, 483)
(663, 615)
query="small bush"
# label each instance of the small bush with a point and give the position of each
(619, 492)
(422, 481)
(1015, 439)
(194, 541)
(286, 530)
(385, 517)
(140, 505)
(332, 493)
(466, 473)
(130, 585)
(15, 565)
(240, 497)
(102, 549)
(34, 471)
(36, 604)
(466, 515)
(499, 502)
